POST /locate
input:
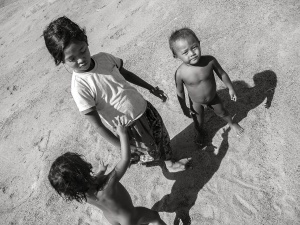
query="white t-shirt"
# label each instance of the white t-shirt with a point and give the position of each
(106, 90)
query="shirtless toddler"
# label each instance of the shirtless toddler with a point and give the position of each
(71, 176)
(196, 73)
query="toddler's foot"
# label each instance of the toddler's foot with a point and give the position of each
(178, 166)
(238, 129)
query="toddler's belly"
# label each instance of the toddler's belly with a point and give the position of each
(203, 92)
(202, 98)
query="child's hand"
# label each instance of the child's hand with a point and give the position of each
(159, 93)
(188, 112)
(102, 166)
(120, 125)
(232, 95)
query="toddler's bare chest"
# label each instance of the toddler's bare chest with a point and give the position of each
(199, 74)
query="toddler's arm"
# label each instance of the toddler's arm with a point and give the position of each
(181, 95)
(123, 164)
(225, 78)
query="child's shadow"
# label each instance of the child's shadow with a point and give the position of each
(206, 162)
(248, 98)
(188, 183)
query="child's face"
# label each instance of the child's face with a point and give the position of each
(188, 50)
(77, 56)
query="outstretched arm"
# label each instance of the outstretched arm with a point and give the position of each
(123, 164)
(94, 118)
(181, 95)
(134, 79)
(225, 78)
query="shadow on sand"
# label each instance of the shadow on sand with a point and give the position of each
(248, 98)
(208, 160)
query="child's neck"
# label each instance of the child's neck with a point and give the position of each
(92, 65)
(92, 192)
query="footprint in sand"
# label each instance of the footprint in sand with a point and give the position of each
(244, 205)
(117, 34)
(289, 207)
(14, 196)
(241, 144)
(52, 198)
(81, 221)
(209, 214)
(93, 216)
(42, 142)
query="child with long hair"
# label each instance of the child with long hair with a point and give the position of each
(101, 93)
(71, 176)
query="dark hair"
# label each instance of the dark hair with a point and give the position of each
(181, 34)
(70, 175)
(58, 34)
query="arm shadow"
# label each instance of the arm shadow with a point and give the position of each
(188, 183)
(248, 99)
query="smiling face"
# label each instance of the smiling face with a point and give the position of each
(77, 56)
(188, 50)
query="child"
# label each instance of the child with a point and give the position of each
(196, 73)
(101, 92)
(72, 178)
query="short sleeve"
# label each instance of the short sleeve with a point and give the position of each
(117, 61)
(83, 98)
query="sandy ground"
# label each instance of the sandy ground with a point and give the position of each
(254, 179)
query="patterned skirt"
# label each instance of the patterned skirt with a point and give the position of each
(150, 137)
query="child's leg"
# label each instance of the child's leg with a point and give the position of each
(198, 119)
(223, 113)
(163, 151)
(146, 216)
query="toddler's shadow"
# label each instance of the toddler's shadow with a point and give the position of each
(188, 183)
(248, 98)
(206, 162)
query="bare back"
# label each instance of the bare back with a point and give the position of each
(113, 200)
(198, 79)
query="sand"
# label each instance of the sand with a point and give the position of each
(254, 179)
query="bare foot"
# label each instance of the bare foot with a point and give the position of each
(238, 129)
(178, 166)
